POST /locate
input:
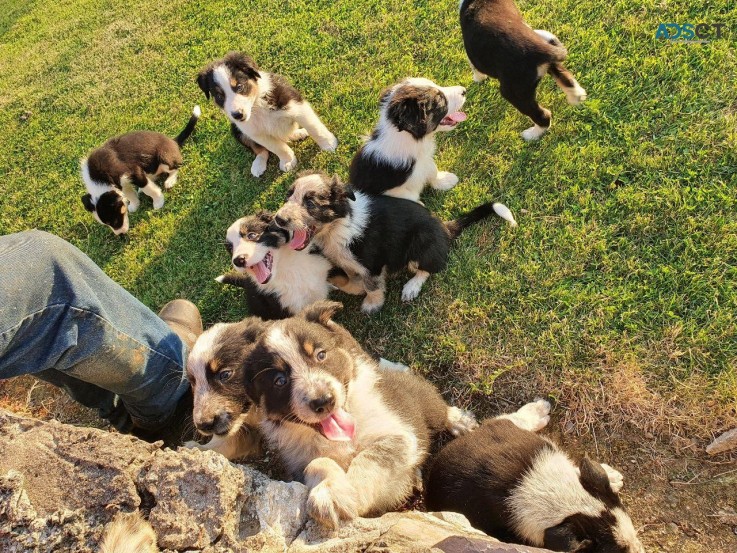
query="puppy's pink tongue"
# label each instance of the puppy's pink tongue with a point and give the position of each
(457, 117)
(339, 426)
(261, 272)
(298, 238)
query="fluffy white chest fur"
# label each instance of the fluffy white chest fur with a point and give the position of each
(299, 279)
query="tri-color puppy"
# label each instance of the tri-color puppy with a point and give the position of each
(397, 160)
(520, 487)
(264, 110)
(115, 172)
(280, 281)
(500, 44)
(356, 436)
(369, 236)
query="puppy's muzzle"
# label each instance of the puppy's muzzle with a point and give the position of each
(323, 404)
(281, 221)
(240, 261)
(237, 115)
(219, 424)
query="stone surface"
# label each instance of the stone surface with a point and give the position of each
(725, 442)
(59, 486)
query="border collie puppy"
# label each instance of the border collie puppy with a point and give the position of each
(500, 44)
(115, 172)
(264, 110)
(356, 436)
(397, 160)
(519, 487)
(370, 236)
(216, 372)
(280, 281)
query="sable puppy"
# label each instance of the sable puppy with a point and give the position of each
(520, 487)
(500, 44)
(115, 172)
(264, 110)
(280, 281)
(397, 160)
(355, 436)
(369, 236)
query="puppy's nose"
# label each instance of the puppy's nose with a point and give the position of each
(237, 115)
(240, 261)
(281, 221)
(323, 404)
(219, 424)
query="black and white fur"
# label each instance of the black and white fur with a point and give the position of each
(397, 159)
(307, 375)
(500, 44)
(279, 280)
(115, 172)
(369, 236)
(520, 487)
(264, 110)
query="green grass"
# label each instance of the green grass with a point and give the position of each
(626, 253)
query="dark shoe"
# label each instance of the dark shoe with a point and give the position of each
(184, 319)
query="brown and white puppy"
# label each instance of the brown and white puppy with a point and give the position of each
(264, 110)
(354, 435)
(115, 172)
(371, 236)
(520, 487)
(500, 44)
(397, 160)
(217, 373)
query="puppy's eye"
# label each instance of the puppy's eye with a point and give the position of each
(229, 247)
(222, 376)
(252, 236)
(239, 87)
(321, 355)
(290, 192)
(280, 380)
(310, 204)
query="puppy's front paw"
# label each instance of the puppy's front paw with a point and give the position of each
(411, 290)
(371, 306)
(288, 164)
(170, 182)
(536, 415)
(460, 422)
(534, 133)
(258, 167)
(299, 134)
(328, 143)
(444, 181)
(616, 480)
(333, 500)
(159, 202)
(133, 206)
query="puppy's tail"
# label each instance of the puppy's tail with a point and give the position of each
(129, 533)
(235, 279)
(554, 47)
(481, 212)
(186, 131)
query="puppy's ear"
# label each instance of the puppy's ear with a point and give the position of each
(349, 193)
(594, 479)
(562, 538)
(340, 191)
(385, 95)
(87, 202)
(409, 114)
(321, 312)
(204, 80)
(244, 63)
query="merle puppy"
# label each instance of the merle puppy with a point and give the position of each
(264, 110)
(520, 487)
(115, 172)
(397, 160)
(370, 236)
(500, 44)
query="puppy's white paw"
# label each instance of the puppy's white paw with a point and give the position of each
(170, 182)
(287, 165)
(386, 365)
(299, 134)
(370, 307)
(478, 76)
(576, 95)
(258, 167)
(328, 142)
(411, 290)
(534, 133)
(444, 181)
(460, 422)
(133, 206)
(616, 480)
(534, 416)
(159, 202)
(333, 500)
(191, 444)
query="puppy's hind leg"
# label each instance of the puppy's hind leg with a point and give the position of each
(478, 76)
(131, 194)
(575, 94)
(460, 422)
(413, 286)
(533, 416)
(520, 92)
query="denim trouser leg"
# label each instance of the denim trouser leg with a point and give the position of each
(65, 321)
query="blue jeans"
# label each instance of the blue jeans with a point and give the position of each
(66, 322)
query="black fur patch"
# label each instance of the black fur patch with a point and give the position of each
(281, 93)
(375, 176)
(582, 533)
(417, 110)
(87, 202)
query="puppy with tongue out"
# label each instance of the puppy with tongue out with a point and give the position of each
(397, 160)
(353, 434)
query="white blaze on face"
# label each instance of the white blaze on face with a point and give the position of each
(233, 101)
(253, 252)
(292, 210)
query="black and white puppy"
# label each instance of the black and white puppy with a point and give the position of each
(264, 110)
(500, 44)
(356, 436)
(115, 172)
(520, 487)
(397, 160)
(369, 236)
(280, 281)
